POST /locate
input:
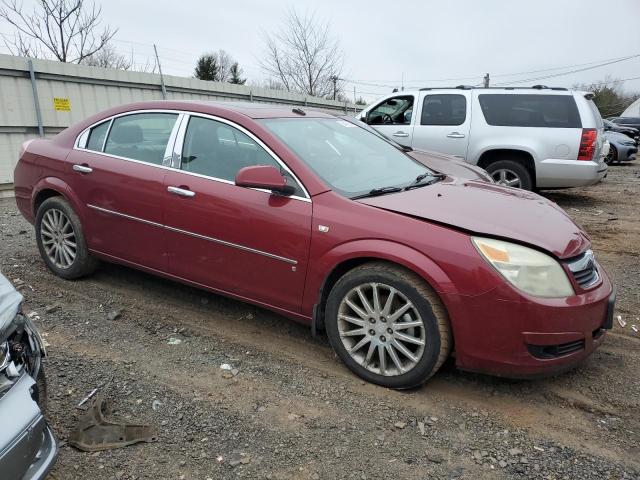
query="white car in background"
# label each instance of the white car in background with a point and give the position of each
(529, 138)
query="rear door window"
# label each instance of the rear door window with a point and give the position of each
(141, 136)
(96, 137)
(444, 109)
(550, 111)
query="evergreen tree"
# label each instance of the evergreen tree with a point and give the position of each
(236, 73)
(207, 68)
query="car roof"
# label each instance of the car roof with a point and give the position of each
(249, 109)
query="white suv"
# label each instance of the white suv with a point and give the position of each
(530, 138)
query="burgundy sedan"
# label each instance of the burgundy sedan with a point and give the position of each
(318, 219)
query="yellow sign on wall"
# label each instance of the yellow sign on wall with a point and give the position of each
(61, 104)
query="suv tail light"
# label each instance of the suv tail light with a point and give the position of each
(588, 144)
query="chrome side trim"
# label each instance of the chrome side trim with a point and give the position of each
(233, 245)
(196, 235)
(124, 215)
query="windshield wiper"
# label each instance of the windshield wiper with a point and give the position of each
(418, 182)
(378, 191)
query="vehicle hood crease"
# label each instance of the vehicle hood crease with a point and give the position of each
(492, 210)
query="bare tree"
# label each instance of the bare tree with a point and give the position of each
(225, 61)
(67, 30)
(109, 58)
(304, 56)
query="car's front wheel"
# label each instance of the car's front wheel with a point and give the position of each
(61, 241)
(387, 325)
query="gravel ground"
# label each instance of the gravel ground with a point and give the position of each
(290, 410)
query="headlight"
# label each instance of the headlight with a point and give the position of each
(527, 269)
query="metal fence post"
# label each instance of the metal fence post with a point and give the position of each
(36, 102)
(164, 89)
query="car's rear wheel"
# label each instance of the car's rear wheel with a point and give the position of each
(612, 156)
(61, 241)
(510, 174)
(387, 325)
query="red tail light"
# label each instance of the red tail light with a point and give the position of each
(588, 144)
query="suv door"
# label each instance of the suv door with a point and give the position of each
(118, 175)
(442, 123)
(247, 242)
(393, 117)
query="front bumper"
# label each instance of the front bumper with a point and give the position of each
(27, 447)
(558, 173)
(626, 153)
(508, 334)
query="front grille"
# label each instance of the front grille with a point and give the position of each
(555, 351)
(584, 270)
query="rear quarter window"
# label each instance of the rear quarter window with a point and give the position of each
(547, 111)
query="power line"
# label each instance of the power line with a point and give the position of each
(480, 76)
(533, 79)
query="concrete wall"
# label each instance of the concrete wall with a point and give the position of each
(92, 89)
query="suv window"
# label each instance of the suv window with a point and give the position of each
(444, 109)
(96, 137)
(218, 150)
(141, 136)
(515, 110)
(393, 111)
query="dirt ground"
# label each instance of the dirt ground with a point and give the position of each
(293, 411)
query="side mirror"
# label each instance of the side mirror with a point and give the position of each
(263, 176)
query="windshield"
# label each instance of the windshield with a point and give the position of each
(350, 159)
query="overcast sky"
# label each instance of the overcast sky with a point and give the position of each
(424, 40)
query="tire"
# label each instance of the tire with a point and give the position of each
(504, 172)
(612, 157)
(426, 308)
(56, 221)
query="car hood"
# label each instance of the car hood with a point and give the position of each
(450, 165)
(617, 137)
(492, 210)
(10, 301)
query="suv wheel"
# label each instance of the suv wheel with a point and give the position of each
(387, 325)
(510, 174)
(61, 240)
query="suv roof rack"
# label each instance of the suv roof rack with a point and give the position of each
(472, 87)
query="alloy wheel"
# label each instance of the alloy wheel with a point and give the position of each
(58, 238)
(381, 329)
(506, 177)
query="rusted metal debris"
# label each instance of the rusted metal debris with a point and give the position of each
(95, 432)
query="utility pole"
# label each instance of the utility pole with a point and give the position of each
(402, 81)
(334, 79)
(355, 99)
(164, 90)
(486, 81)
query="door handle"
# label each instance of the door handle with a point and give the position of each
(181, 192)
(455, 135)
(82, 168)
(400, 134)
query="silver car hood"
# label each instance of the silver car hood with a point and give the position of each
(10, 301)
